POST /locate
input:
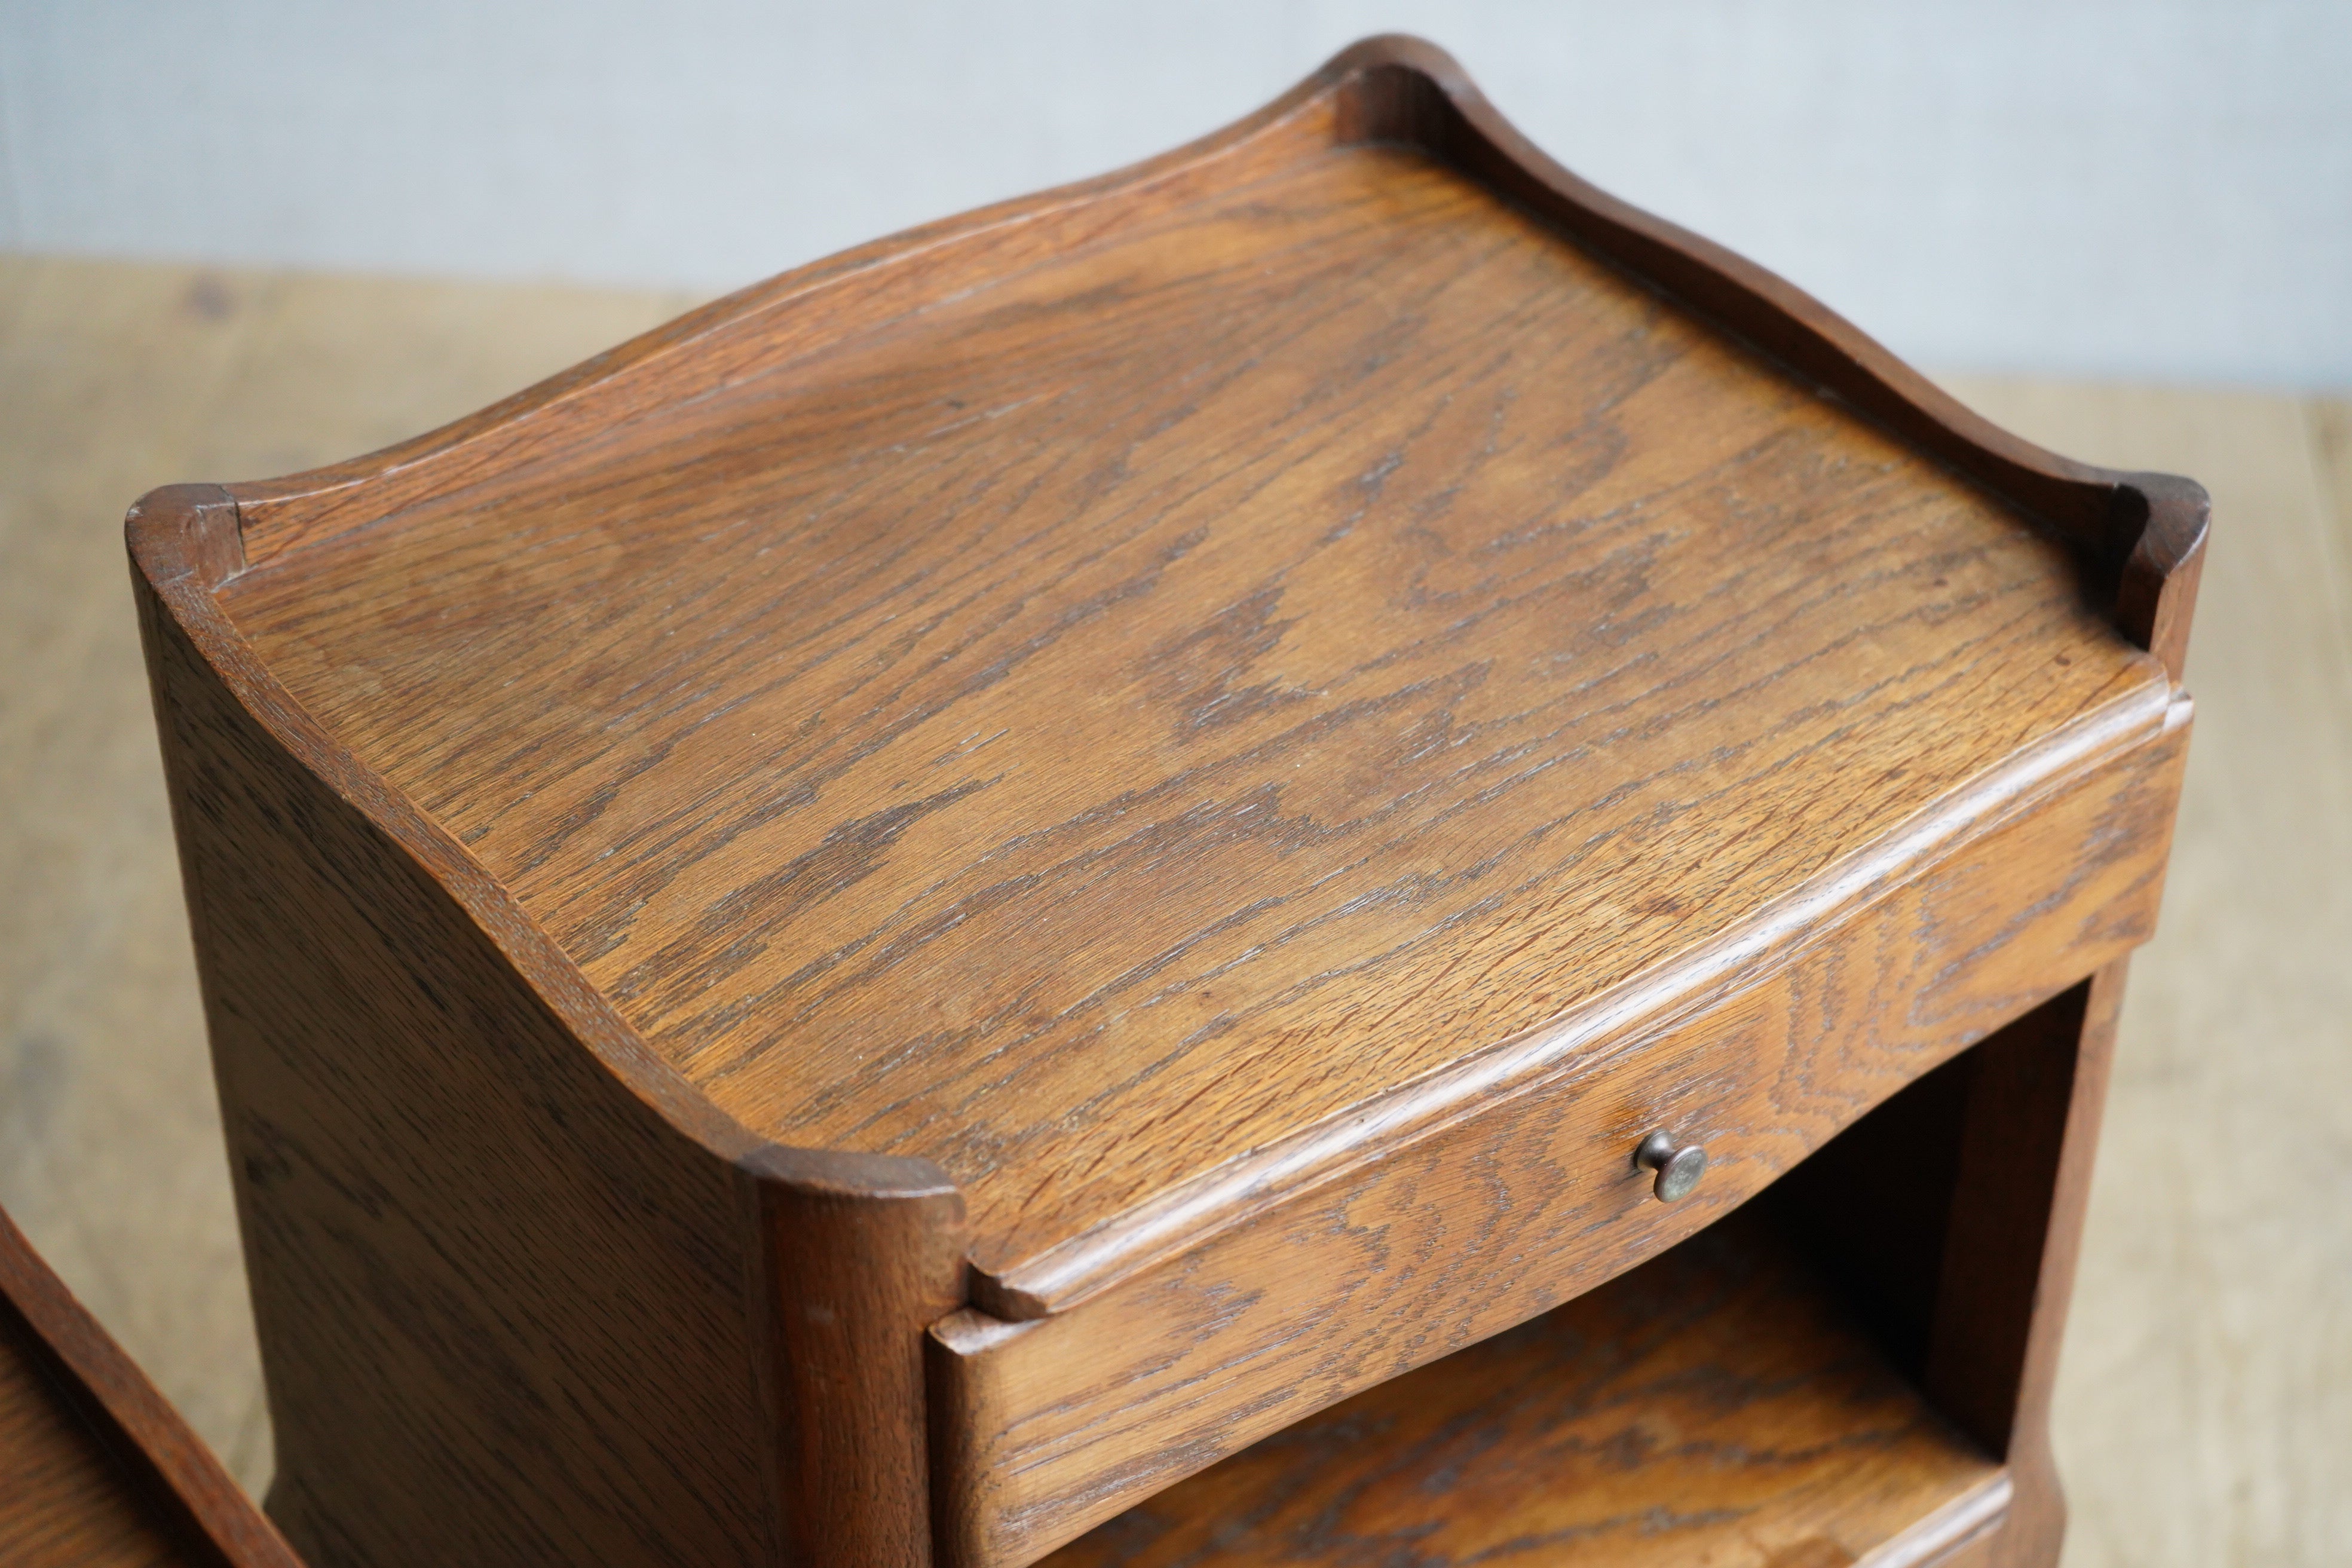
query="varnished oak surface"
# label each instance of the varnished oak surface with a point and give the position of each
(96, 1471)
(1110, 718)
(123, 375)
(64, 1500)
(1204, 669)
(1715, 1406)
(1044, 1428)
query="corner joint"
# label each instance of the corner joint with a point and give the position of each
(192, 531)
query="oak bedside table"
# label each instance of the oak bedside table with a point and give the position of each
(1322, 853)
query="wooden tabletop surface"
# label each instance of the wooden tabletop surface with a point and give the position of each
(2194, 1418)
(1109, 702)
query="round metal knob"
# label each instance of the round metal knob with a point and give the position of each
(1678, 1169)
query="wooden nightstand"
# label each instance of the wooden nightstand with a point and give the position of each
(1144, 828)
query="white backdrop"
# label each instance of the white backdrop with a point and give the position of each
(2148, 189)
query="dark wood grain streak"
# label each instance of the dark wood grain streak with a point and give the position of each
(1047, 1427)
(1715, 1405)
(96, 1469)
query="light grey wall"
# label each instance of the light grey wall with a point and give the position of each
(2156, 188)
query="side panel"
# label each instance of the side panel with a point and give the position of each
(1044, 1428)
(507, 1314)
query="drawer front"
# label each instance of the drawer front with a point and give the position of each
(1043, 1429)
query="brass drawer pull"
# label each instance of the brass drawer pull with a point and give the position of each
(1678, 1169)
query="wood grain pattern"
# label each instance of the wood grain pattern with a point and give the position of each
(96, 1471)
(1147, 691)
(511, 1311)
(1075, 739)
(1046, 1427)
(864, 1255)
(1716, 1406)
(64, 1500)
(454, 1218)
(2198, 1411)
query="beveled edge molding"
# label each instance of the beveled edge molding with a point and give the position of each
(185, 542)
(1779, 933)
(1971, 1517)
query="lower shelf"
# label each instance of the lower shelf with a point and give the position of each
(1716, 1407)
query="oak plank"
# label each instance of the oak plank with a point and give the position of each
(454, 1228)
(66, 1504)
(524, 1296)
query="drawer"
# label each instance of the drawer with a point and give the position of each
(1043, 1428)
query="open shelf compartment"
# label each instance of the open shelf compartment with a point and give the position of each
(1730, 1403)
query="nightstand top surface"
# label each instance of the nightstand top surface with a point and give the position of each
(1087, 697)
